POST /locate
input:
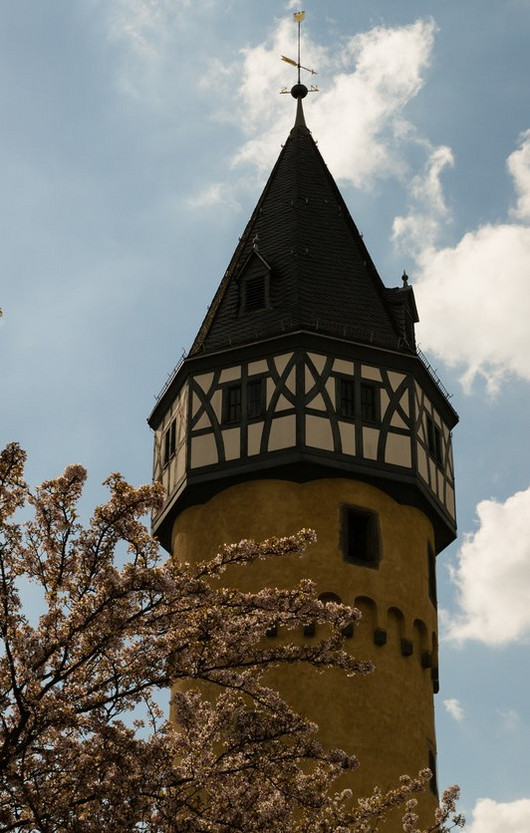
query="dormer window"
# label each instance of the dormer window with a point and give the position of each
(255, 293)
(254, 284)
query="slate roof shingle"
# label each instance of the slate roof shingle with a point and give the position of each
(322, 276)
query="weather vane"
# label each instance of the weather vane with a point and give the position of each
(299, 90)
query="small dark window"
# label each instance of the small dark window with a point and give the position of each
(255, 293)
(255, 398)
(434, 441)
(431, 563)
(360, 533)
(346, 398)
(369, 402)
(232, 403)
(170, 442)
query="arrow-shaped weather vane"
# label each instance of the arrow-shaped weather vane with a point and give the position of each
(298, 17)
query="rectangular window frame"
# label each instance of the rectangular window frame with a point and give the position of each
(255, 390)
(358, 399)
(345, 391)
(170, 442)
(232, 403)
(434, 441)
(370, 402)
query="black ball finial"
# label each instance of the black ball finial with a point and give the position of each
(299, 91)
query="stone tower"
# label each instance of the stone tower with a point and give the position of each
(304, 402)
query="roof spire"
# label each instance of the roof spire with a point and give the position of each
(299, 90)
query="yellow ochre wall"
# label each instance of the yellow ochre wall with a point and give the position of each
(386, 719)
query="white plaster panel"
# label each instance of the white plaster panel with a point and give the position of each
(440, 484)
(318, 361)
(157, 466)
(280, 362)
(341, 366)
(404, 402)
(255, 431)
(423, 469)
(318, 403)
(347, 436)
(397, 451)
(332, 389)
(432, 473)
(290, 382)
(283, 433)
(258, 367)
(204, 381)
(309, 380)
(450, 501)
(181, 428)
(450, 462)
(395, 379)
(385, 399)
(232, 443)
(217, 404)
(230, 374)
(318, 433)
(283, 404)
(369, 372)
(397, 421)
(370, 441)
(204, 422)
(195, 404)
(180, 464)
(203, 451)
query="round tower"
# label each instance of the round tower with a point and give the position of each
(304, 402)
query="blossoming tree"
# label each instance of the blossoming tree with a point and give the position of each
(74, 753)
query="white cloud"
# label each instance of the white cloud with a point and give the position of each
(454, 708)
(216, 194)
(360, 120)
(158, 38)
(492, 817)
(419, 230)
(479, 287)
(475, 303)
(519, 167)
(510, 719)
(145, 24)
(368, 81)
(492, 575)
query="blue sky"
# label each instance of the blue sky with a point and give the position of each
(136, 137)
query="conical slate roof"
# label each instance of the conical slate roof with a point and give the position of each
(319, 274)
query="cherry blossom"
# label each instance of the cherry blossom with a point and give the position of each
(84, 745)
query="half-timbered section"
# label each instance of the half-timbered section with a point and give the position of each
(308, 411)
